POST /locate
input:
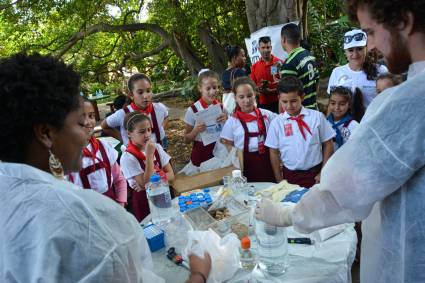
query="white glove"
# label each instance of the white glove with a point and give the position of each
(273, 213)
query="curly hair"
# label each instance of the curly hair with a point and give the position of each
(391, 13)
(34, 89)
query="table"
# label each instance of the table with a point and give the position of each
(94, 100)
(328, 261)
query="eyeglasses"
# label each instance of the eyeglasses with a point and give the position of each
(357, 37)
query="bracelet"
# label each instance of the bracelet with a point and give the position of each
(200, 274)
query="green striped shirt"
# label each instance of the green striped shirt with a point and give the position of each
(301, 64)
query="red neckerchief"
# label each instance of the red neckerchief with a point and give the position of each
(205, 105)
(247, 117)
(95, 148)
(131, 148)
(148, 110)
(301, 124)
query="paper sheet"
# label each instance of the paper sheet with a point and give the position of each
(209, 117)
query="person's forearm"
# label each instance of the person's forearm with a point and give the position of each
(149, 170)
(196, 278)
(190, 137)
(275, 161)
(120, 184)
(112, 133)
(327, 151)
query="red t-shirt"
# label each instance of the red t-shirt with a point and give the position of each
(260, 71)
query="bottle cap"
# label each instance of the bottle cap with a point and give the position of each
(236, 173)
(206, 190)
(155, 178)
(245, 243)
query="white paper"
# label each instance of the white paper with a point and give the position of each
(209, 117)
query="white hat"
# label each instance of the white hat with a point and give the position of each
(355, 38)
(202, 71)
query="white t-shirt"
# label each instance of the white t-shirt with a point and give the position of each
(98, 180)
(117, 120)
(190, 117)
(295, 152)
(346, 132)
(130, 166)
(233, 130)
(344, 76)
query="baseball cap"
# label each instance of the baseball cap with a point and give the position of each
(355, 38)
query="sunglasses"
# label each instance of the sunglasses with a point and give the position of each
(357, 37)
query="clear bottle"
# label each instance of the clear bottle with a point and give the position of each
(238, 182)
(247, 256)
(159, 199)
(272, 247)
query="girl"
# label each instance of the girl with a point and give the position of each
(100, 170)
(387, 80)
(208, 86)
(140, 92)
(142, 158)
(237, 61)
(247, 130)
(344, 107)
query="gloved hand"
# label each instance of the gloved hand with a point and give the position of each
(273, 213)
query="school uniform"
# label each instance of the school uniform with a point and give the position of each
(157, 113)
(200, 152)
(343, 129)
(248, 132)
(299, 140)
(100, 171)
(133, 164)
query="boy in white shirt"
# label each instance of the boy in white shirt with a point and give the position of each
(301, 136)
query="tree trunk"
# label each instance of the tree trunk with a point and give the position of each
(186, 52)
(215, 50)
(262, 13)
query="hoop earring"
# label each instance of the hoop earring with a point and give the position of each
(55, 166)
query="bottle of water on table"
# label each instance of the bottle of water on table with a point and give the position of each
(272, 247)
(159, 199)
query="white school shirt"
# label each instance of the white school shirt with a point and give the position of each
(344, 76)
(117, 120)
(346, 132)
(295, 152)
(233, 130)
(190, 117)
(130, 166)
(98, 180)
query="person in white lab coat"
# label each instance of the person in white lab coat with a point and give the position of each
(379, 175)
(50, 229)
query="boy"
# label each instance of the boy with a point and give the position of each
(302, 136)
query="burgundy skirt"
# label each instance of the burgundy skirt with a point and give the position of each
(111, 193)
(140, 205)
(302, 178)
(257, 167)
(201, 153)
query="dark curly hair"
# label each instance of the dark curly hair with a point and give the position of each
(34, 89)
(391, 13)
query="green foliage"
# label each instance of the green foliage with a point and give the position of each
(190, 89)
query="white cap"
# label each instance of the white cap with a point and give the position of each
(355, 38)
(236, 173)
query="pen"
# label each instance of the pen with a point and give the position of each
(305, 241)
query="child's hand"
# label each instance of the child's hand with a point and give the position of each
(317, 178)
(199, 128)
(222, 118)
(150, 148)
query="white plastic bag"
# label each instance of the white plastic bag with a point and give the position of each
(224, 252)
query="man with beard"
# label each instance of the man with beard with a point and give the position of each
(378, 176)
(265, 74)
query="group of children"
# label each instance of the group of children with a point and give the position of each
(293, 145)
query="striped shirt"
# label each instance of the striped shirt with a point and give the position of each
(301, 64)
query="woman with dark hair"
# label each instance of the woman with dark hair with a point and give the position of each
(360, 71)
(50, 229)
(236, 69)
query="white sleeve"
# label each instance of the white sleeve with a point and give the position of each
(325, 129)
(272, 139)
(377, 160)
(331, 81)
(130, 166)
(164, 109)
(353, 126)
(227, 131)
(116, 119)
(189, 117)
(165, 158)
(382, 69)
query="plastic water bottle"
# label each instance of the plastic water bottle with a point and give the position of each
(159, 198)
(272, 247)
(238, 182)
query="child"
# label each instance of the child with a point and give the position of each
(247, 130)
(302, 136)
(142, 158)
(342, 107)
(385, 81)
(100, 170)
(140, 92)
(208, 86)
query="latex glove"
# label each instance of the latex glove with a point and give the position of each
(274, 213)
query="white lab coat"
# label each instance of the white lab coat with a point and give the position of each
(379, 176)
(53, 231)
